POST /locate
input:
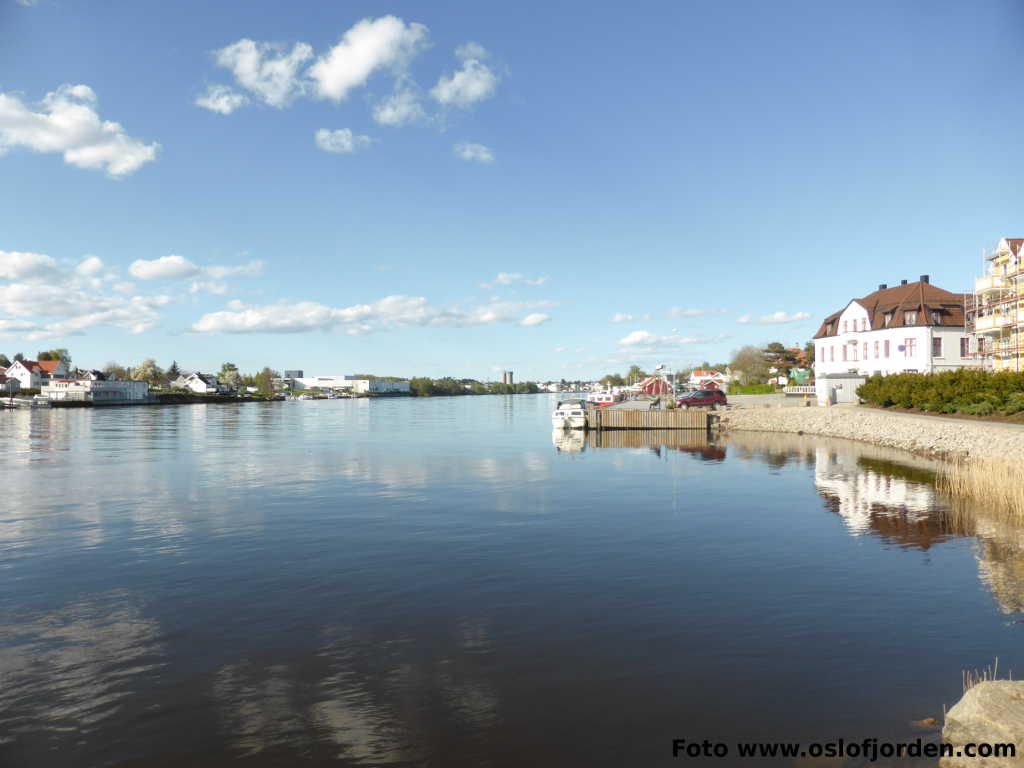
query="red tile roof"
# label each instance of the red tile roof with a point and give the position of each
(923, 298)
(49, 366)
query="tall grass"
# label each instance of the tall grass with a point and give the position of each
(996, 483)
(971, 677)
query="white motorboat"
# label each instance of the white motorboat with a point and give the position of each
(602, 399)
(570, 414)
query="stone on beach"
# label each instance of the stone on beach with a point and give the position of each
(990, 713)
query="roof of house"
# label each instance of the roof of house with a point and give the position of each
(921, 297)
(701, 373)
(208, 379)
(49, 366)
(29, 364)
(1014, 244)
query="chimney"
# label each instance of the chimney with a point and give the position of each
(924, 278)
(882, 286)
(903, 282)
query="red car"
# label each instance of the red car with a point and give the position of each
(702, 398)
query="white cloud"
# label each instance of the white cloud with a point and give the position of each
(473, 83)
(509, 278)
(341, 141)
(471, 50)
(621, 317)
(369, 45)
(647, 339)
(89, 266)
(15, 265)
(389, 313)
(68, 301)
(681, 312)
(400, 108)
(68, 123)
(221, 99)
(265, 69)
(534, 318)
(249, 269)
(171, 267)
(477, 153)
(775, 318)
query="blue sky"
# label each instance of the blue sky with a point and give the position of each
(493, 185)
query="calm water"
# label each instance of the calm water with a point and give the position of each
(440, 582)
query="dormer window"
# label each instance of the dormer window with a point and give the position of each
(887, 317)
(910, 318)
(936, 318)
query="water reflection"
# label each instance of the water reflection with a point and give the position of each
(414, 582)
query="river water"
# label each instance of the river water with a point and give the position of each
(444, 582)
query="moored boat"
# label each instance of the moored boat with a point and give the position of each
(570, 414)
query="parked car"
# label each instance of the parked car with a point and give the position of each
(702, 398)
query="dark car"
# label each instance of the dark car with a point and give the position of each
(702, 398)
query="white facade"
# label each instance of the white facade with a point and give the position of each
(895, 349)
(700, 379)
(28, 376)
(357, 386)
(95, 391)
(202, 384)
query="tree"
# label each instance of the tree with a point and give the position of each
(18, 356)
(265, 381)
(115, 371)
(809, 353)
(229, 376)
(4, 361)
(174, 371)
(612, 380)
(635, 374)
(148, 371)
(750, 364)
(55, 354)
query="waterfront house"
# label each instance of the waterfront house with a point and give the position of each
(95, 390)
(200, 383)
(27, 373)
(908, 328)
(351, 384)
(708, 379)
(54, 369)
(994, 312)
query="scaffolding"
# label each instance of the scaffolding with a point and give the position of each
(994, 311)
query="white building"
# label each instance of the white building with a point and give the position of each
(27, 373)
(708, 379)
(909, 328)
(352, 384)
(200, 383)
(97, 391)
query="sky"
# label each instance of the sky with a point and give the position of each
(454, 188)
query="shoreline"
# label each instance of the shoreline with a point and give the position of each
(929, 436)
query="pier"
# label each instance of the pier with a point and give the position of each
(623, 418)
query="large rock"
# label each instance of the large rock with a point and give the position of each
(989, 713)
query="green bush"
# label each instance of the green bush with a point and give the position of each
(968, 390)
(1014, 403)
(751, 389)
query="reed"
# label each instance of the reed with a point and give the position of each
(971, 677)
(996, 483)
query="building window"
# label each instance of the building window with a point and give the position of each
(965, 346)
(844, 353)
(936, 347)
(832, 354)
(887, 318)
(885, 345)
(910, 318)
(844, 326)
(936, 318)
(865, 350)
(876, 350)
(909, 347)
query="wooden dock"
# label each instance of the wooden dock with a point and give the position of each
(621, 418)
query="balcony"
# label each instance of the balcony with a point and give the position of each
(990, 283)
(992, 323)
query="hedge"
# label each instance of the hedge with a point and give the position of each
(968, 390)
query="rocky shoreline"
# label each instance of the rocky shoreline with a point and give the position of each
(930, 436)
